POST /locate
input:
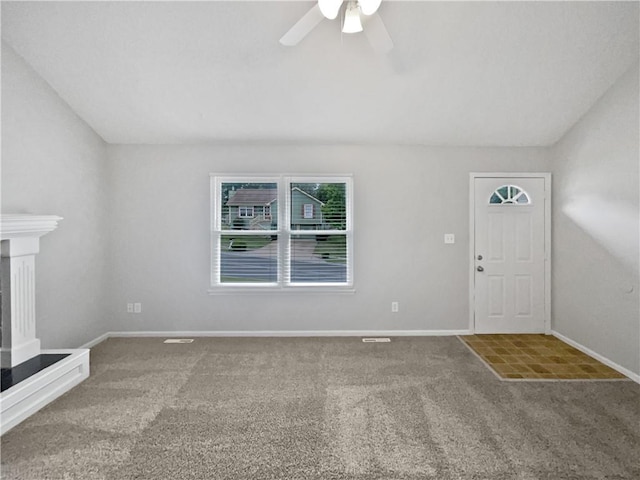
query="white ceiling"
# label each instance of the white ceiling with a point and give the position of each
(461, 73)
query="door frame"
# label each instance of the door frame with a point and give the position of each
(547, 239)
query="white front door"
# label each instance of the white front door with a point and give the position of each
(509, 255)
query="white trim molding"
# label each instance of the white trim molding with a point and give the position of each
(294, 333)
(277, 333)
(96, 341)
(339, 333)
(610, 363)
(16, 225)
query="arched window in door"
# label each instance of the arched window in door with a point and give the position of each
(509, 195)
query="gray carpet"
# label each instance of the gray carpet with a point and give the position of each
(322, 408)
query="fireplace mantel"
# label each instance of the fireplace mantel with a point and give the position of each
(20, 225)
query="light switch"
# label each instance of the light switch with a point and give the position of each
(449, 238)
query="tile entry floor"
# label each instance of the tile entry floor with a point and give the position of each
(537, 357)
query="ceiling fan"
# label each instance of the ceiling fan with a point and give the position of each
(354, 12)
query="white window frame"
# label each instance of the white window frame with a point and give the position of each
(284, 232)
(246, 209)
(307, 213)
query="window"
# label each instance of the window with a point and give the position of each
(245, 212)
(509, 194)
(308, 210)
(302, 240)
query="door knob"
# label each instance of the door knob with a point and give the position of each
(479, 257)
(480, 269)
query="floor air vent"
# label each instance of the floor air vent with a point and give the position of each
(376, 340)
(179, 340)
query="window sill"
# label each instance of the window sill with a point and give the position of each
(281, 291)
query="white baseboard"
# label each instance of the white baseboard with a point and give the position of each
(95, 341)
(27, 397)
(625, 371)
(293, 333)
(277, 333)
(341, 333)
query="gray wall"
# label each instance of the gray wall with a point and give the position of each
(596, 227)
(137, 217)
(406, 198)
(54, 163)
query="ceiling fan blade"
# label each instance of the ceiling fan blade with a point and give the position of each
(302, 27)
(377, 34)
(330, 8)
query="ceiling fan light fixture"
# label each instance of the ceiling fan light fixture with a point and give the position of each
(330, 8)
(352, 23)
(369, 7)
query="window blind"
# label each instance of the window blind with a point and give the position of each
(292, 232)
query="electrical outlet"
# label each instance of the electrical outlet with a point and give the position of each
(137, 307)
(394, 307)
(129, 307)
(449, 238)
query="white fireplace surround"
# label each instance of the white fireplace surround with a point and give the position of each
(20, 235)
(20, 243)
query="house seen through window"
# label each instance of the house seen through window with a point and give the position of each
(282, 232)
